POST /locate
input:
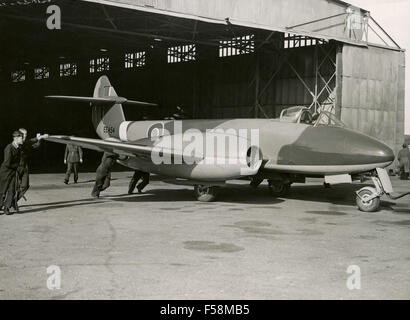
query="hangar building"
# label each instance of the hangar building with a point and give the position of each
(213, 58)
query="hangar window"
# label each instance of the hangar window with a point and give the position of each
(294, 41)
(136, 59)
(18, 76)
(182, 53)
(99, 65)
(41, 73)
(68, 69)
(237, 46)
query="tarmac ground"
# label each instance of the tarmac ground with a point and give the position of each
(163, 244)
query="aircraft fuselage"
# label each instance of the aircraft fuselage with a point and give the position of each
(285, 147)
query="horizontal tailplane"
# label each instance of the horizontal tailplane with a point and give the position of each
(108, 100)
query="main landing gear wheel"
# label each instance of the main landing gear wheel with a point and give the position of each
(279, 189)
(205, 193)
(365, 202)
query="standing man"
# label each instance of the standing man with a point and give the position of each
(9, 173)
(103, 174)
(26, 148)
(138, 174)
(72, 157)
(404, 162)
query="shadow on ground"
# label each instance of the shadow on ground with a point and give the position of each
(340, 195)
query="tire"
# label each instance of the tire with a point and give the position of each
(371, 206)
(279, 189)
(205, 193)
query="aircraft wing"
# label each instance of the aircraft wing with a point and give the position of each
(118, 147)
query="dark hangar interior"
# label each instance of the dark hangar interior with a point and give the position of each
(180, 54)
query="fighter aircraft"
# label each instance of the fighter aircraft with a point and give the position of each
(287, 150)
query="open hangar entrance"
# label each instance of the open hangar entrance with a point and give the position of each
(209, 66)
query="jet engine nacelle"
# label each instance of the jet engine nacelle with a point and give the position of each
(211, 169)
(207, 169)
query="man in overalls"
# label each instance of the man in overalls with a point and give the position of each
(73, 157)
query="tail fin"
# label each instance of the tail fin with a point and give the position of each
(107, 112)
(107, 118)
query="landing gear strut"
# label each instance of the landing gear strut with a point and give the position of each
(256, 182)
(368, 198)
(205, 193)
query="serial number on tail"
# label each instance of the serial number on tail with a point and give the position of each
(109, 130)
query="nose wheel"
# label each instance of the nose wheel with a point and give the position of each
(205, 193)
(367, 199)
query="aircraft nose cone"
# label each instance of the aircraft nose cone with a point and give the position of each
(385, 153)
(368, 150)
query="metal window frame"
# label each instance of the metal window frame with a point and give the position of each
(135, 59)
(41, 73)
(68, 69)
(237, 46)
(18, 76)
(181, 53)
(99, 64)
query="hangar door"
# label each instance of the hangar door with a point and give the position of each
(288, 71)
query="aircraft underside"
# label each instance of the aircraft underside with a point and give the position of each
(279, 181)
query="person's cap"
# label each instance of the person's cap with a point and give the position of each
(17, 134)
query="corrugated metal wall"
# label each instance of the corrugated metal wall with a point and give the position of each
(276, 13)
(373, 93)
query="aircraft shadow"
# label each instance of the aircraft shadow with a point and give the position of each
(398, 208)
(343, 195)
(339, 195)
(244, 195)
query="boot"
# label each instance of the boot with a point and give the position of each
(95, 195)
(16, 207)
(131, 187)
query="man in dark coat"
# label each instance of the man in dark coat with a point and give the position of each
(9, 173)
(103, 174)
(72, 157)
(138, 174)
(404, 162)
(26, 148)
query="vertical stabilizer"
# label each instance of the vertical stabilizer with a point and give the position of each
(106, 118)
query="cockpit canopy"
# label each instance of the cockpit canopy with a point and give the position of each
(300, 114)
